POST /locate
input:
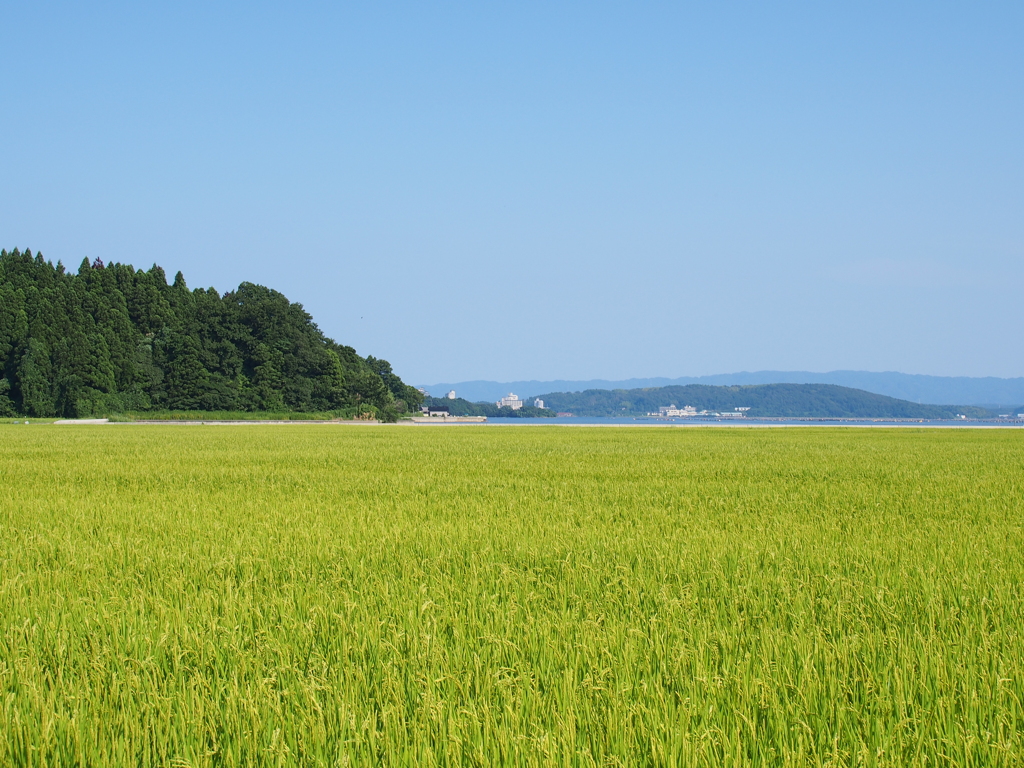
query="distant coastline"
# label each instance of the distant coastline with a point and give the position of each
(696, 402)
(989, 392)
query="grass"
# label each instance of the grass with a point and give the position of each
(180, 596)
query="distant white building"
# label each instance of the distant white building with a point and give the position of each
(538, 403)
(511, 401)
(671, 410)
(451, 394)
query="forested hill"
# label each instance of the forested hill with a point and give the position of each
(461, 407)
(113, 338)
(783, 400)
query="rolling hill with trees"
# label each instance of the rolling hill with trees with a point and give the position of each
(462, 407)
(766, 400)
(112, 338)
(987, 392)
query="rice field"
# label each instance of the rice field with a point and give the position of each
(344, 596)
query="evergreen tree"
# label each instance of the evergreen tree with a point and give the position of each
(35, 375)
(6, 404)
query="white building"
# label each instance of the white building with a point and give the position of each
(511, 401)
(451, 394)
(538, 403)
(671, 410)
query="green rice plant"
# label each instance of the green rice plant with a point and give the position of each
(469, 596)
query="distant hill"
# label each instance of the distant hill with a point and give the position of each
(462, 407)
(782, 400)
(987, 391)
(112, 338)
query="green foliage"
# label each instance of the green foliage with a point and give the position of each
(462, 407)
(33, 378)
(405, 397)
(777, 400)
(6, 405)
(336, 595)
(111, 338)
(129, 415)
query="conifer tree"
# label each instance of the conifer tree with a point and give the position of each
(35, 375)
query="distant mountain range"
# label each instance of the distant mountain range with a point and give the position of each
(940, 390)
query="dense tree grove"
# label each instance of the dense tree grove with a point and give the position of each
(113, 338)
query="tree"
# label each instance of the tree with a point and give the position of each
(6, 404)
(34, 376)
(185, 379)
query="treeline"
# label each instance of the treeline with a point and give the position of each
(113, 339)
(765, 400)
(461, 407)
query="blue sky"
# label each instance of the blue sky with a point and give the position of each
(547, 190)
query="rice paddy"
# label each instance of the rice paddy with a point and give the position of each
(342, 595)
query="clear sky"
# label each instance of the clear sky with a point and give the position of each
(498, 190)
